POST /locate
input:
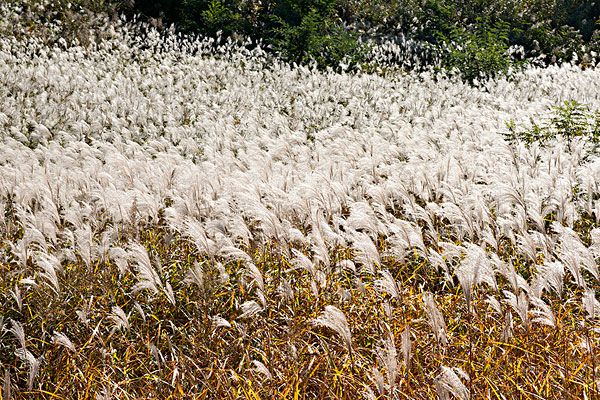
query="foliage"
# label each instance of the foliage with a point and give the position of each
(478, 52)
(569, 121)
(219, 17)
(211, 17)
(319, 39)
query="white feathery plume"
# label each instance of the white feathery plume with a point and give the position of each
(405, 238)
(507, 269)
(527, 246)
(488, 237)
(595, 237)
(573, 264)
(536, 211)
(553, 273)
(294, 236)
(33, 236)
(319, 247)
(364, 219)
(268, 222)
(50, 265)
(346, 265)
(256, 277)
(388, 356)
(194, 230)
(16, 295)
(480, 212)
(542, 312)
(387, 284)
(494, 303)
(411, 233)
(451, 251)
(103, 248)
(319, 280)
(67, 255)
(303, 262)
(220, 322)
(285, 290)
(82, 316)
(119, 318)
(85, 244)
(119, 256)
(168, 290)
(249, 309)
(379, 380)
(507, 329)
(419, 213)
(239, 230)
(32, 362)
(345, 296)
(140, 310)
(544, 242)
(334, 319)
(506, 229)
(323, 230)
(147, 277)
(195, 275)
(435, 319)
(520, 304)
(473, 270)
(438, 261)
(20, 252)
(216, 228)
(368, 255)
(460, 221)
(223, 275)
(449, 383)
(574, 254)
(406, 347)
(591, 305)
(262, 369)
(232, 253)
(62, 339)
(18, 331)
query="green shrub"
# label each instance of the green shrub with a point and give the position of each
(548, 30)
(317, 37)
(478, 52)
(569, 121)
(210, 17)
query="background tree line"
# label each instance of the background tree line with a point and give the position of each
(471, 36)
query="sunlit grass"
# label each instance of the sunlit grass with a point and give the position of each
(177, 351)
(181, 219)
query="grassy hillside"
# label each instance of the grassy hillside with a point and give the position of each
(189, 218)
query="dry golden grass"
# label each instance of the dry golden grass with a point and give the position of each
(176, 352)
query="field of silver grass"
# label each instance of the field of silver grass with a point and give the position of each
(186, 220)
